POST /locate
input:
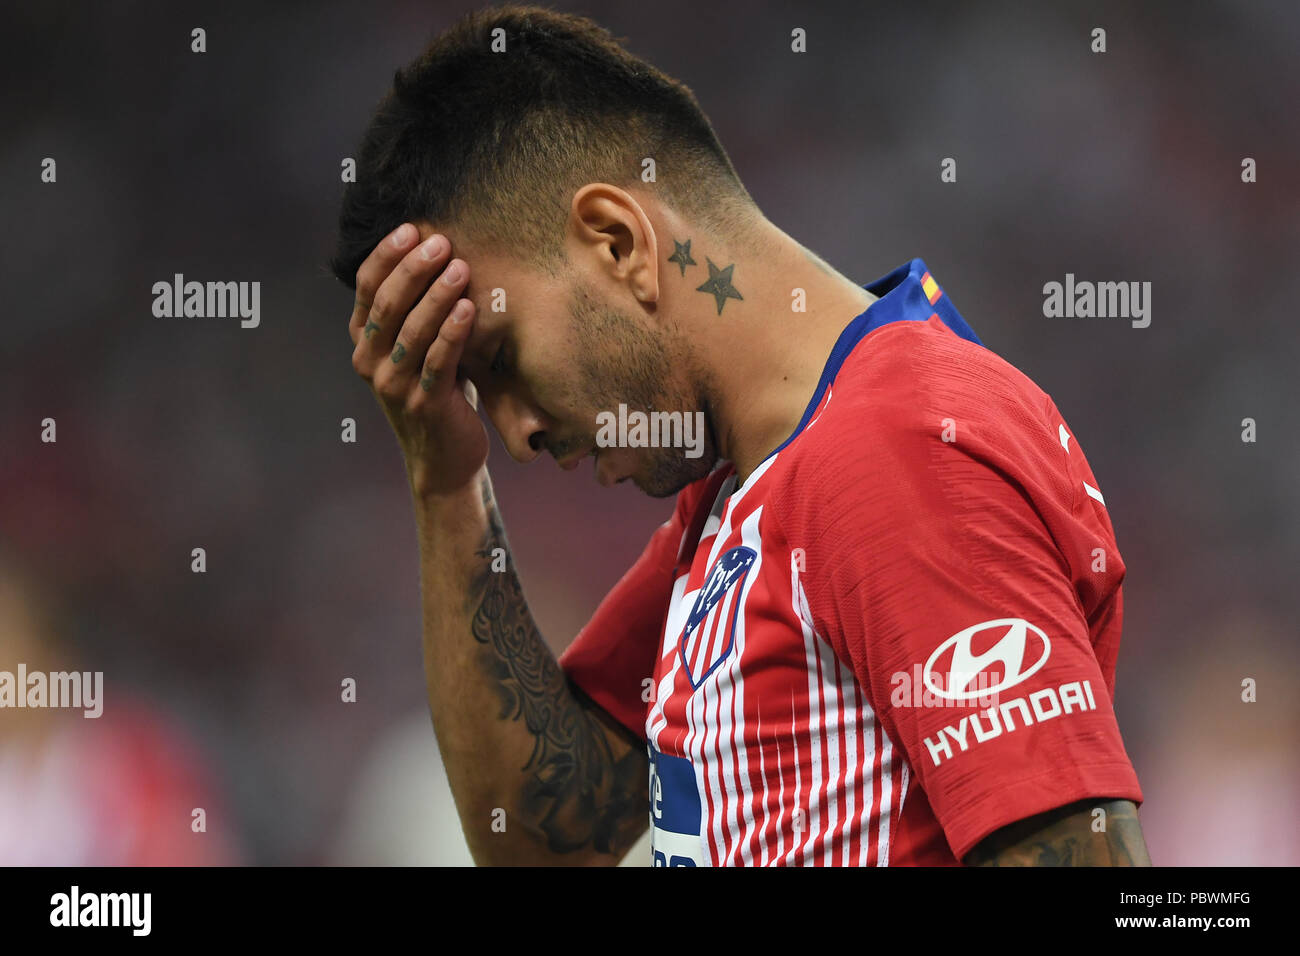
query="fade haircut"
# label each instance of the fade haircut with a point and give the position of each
(496, 144)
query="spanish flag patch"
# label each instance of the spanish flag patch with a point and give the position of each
(932, 290)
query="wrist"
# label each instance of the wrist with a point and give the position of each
(468, 499)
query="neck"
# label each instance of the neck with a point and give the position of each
(763, 353)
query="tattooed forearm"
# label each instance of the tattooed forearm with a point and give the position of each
(1065, 837)
(586, 787)
(719, 284)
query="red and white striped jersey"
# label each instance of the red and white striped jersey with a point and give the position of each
(898, 635)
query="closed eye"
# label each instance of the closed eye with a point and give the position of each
(498, 366)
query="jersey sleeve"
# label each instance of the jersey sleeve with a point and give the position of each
(943, 553)
(614, 653)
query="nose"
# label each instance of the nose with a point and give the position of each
(522, 428)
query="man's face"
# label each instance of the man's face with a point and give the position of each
(549, 354)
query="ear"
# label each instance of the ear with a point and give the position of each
(609, 224)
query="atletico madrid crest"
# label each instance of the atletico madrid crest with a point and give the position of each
(710, 630)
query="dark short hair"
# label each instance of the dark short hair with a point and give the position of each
(496, 143)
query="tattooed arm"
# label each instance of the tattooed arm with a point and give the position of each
(539, 773)
(515, 734)
(1066, 837)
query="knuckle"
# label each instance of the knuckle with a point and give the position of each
(381, 305)
(412, 265)
(363, 301)
(360, 364)
(388, 384)
(417, 401)
(436, 286)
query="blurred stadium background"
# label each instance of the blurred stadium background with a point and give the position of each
(222, 689)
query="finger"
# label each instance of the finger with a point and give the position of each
(438, 373)
(375, 269)
(398, 293)
(426, 318)
(395, 372)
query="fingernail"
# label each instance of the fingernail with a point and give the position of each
(453, 274)
(402, 234)
(432, 247)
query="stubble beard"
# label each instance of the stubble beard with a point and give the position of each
(623, 360)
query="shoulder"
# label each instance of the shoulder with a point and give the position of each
(917, 381)
(916, 415)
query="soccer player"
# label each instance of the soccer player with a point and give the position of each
(881, 624)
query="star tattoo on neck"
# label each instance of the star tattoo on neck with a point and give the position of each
(719, 285)
(682, 255)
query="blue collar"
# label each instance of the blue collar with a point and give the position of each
(909, 293)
